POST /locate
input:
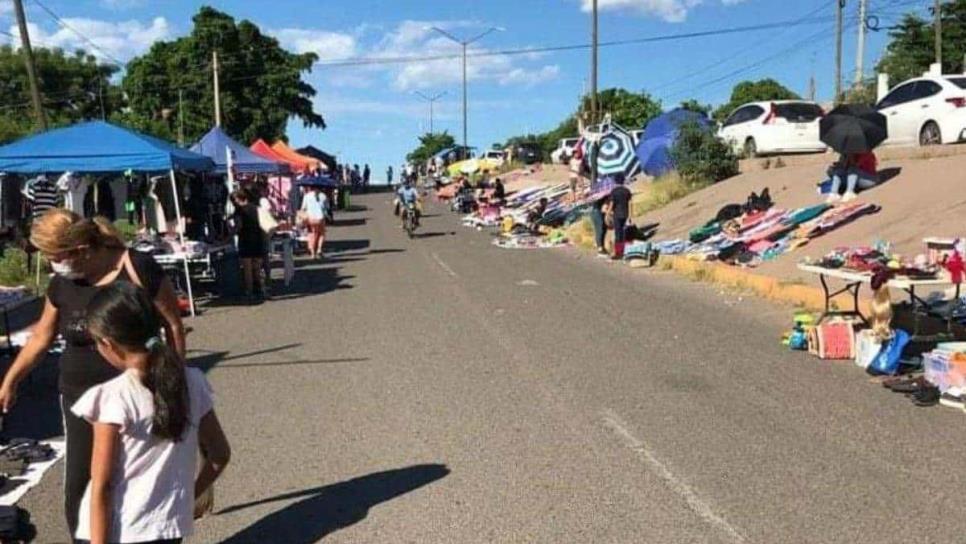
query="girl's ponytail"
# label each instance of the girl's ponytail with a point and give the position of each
(124, 314)
(166, 380)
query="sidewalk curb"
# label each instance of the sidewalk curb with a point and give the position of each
(768, 287)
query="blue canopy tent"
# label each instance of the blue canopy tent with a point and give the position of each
(322, 181)
(101, 147)
(660, 135)
(244, 161)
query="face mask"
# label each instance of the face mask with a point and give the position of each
(64, 268)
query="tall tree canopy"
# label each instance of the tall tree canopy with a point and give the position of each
(912, 46)
(429, 145)
(261, 83)
(754, 91)
(72, 85)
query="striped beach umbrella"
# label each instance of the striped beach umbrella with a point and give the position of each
(615, 153)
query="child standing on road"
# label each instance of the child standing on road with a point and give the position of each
(149, 423)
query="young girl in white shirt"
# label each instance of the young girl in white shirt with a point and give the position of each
(149, 423)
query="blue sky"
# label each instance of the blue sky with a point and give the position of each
(374, 115)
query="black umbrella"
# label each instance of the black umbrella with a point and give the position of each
(853, 128)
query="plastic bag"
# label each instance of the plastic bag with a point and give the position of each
(887, 361)
(867, 347)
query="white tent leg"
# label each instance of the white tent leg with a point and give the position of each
(180, 228)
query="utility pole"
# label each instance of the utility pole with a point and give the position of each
(28, 58)
(860, 46)
(938, 18)
(431, 100)
(811, 88)
(464, 44)
(180, 118)
(839, 6)
(214, 67)
(593, 93)
(100, 95)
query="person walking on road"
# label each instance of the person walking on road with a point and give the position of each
(251, 242)
(314, 207)
(366, 174)
(149, 423)
(389, 175)
(620, 209)
(87, 256)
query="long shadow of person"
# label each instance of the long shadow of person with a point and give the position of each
(326, 509)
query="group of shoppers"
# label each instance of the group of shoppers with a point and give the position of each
(612, 211)
(135, 417)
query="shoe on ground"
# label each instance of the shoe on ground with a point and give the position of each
(926, 396)
(832, 198)
(848, 197)
(951, 401)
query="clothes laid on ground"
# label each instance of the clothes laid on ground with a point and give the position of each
(146, 463)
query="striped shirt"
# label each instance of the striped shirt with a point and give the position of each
(43, 195)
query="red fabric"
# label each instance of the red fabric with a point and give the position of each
(867, 162)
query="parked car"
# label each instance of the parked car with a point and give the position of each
(566, 145)
(494, 156)
(782, 126)
(927, 110)
(528, 153)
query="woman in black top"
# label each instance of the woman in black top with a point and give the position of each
(251, 239)
(86, 255)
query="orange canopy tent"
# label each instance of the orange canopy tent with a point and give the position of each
(293, 156)
(264, 150)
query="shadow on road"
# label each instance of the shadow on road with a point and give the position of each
(433, 234)
(357, 222)
(326, 509)
(297, 362)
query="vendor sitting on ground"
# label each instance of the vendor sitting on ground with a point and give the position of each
(859, 171)
(499, 193)
(535, 215)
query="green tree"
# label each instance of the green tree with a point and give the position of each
(73, 86)
(754, 91)
(695, 106)
(628, 109)
(430, 144)
(911, 47)
(261, 83)
(701, 157)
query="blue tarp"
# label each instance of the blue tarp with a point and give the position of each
(96, 146)
(244, 160)
(317, 181)
(659, 137)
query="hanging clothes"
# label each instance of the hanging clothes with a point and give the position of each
(42, 195)
(153, 211)
(74, 189)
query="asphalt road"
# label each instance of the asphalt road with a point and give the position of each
(445, 390)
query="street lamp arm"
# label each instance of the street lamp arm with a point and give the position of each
(484, 34)
(447, 34)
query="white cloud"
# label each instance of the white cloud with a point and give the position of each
(519, 76)
(327, 45)
(6, 8)
(672, 11)
(122, 40)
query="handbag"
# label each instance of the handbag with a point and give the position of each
(266, 222)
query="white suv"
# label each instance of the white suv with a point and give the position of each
(927, 110)
(782, 126)
(565, 146)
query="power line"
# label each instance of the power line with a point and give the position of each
(87, 40)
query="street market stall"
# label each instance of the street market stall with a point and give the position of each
(101, 147)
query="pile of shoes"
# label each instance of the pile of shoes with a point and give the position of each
(917, 389)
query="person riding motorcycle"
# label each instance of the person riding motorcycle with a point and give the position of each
(408, 198)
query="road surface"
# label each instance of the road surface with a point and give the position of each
(444, 390)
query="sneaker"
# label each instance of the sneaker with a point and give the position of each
(848, 196)
(951, 401)
(927, 396)
(832, 198)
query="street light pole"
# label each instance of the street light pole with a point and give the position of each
(593, 96)
(431, 100)
(465, 44)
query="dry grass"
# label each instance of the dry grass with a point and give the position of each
(662, 192)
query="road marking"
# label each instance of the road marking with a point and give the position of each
(695, 503)
(528, 283)
(444, 266)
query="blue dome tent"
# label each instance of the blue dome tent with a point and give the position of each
(660, 135)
